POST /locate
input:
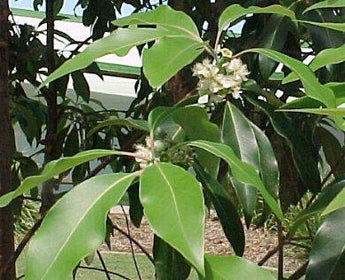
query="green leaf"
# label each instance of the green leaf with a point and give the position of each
(71, 146)
(226, 211)
(339, 91)
(74, 227)
(238, 134)
(177, 22)
(326, 259)
(274, 37)
(333, 112)
(234, 12)
(113, 121)
(181, 46)
(167, 56)
(326, 4)
(324, 198)
(310, 83)
(302, 150)
(241, 171)
(81, 86)
(169, 264)
(323, 58)
(192, 117)
(157, 116)
(234, 268)
(337, 203)
(330, 25)
(173, 205)
(118, 42)
(52, 169)
(251, 145)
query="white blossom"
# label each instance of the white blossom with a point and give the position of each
(212, 79)
(144, 154)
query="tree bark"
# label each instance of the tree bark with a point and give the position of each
(51, 152)
(6, 217)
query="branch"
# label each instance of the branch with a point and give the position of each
(147, 254)
(101, 270)
(299, 272)
(131, 244)
(21, 246)
(103, 265)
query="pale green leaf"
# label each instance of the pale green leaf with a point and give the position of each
(330, 25)
(118, 42)
(242, 171)
(326, 4)
(323, 58)
(234, 12)
(52, 169)
(337, 203)
(234, 268)
(167, 56)
(174, 206)
(74, 227)
(310, 83)
(177, 22)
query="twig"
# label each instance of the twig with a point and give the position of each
(280, 251)
(101, 270)
(147, 254)
(21, 246)
(103, 265)
(269, 254)
(131, 244)
(299, 272)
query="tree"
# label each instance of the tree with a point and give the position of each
(6, 216)
(264, 152)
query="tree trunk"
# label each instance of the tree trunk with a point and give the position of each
(51, 152)
(6, 217)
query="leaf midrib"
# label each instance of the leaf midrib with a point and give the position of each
(82, 219)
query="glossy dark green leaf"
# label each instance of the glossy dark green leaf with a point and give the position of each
(242, 172)
(136, 211)
(71, 146)
(327, 256)
(74, 227)
(302, 150)
(81, 86)
(274, 37)
(136, 124)
(237, 133)
(174, 206)
(234, 268)
(52, 169)
(320, 204)
(169, 264)
(226, 211)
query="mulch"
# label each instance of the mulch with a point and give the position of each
(258, 242)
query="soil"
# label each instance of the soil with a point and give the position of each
(258, 242)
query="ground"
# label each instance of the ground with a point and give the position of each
(258, 242)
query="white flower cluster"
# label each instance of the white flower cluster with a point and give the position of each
(145, 154)
(213, 79)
